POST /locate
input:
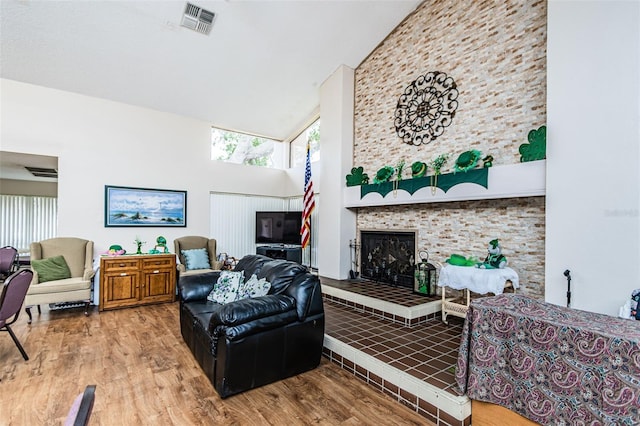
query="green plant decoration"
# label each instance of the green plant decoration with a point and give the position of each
(536, 149)
(437, 163)
(399, 169)
(467, 161)
(384, 174)
(357, 177)
(418, 169)
(138, 242)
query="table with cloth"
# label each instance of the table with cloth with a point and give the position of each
(551, 364)
(477, 280)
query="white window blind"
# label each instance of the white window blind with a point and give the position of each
(233, 222)
(25, 219)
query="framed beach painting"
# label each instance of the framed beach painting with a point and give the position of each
(140, 207)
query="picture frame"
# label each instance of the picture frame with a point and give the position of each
(144, 207)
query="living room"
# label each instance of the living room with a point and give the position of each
(579, 89)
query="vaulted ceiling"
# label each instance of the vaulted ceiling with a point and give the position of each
(258, 71)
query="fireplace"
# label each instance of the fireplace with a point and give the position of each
(388, 256)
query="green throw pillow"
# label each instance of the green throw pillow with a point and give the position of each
(51, 269)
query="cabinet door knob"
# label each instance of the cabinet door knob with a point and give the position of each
(123, 274)
(121, 265)
(156, 271)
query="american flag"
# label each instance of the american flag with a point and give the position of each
(308, 204)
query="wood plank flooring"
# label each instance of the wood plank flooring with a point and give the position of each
(146, 375)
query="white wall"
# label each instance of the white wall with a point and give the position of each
(100, 142)
(593, 154)
(336, 138)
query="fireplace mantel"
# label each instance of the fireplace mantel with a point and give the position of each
(507, 181)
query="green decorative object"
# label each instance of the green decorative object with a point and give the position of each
(459, 260)
(384, 174)
(115, 250)
(399, 170)
(536, 149)
(161, 246)
(438, 162)
(418, 169)
(467, 160)
(444, 182)
(495, 259)
(357, 177)
(436, 165)
(138, 242)
(487, 161)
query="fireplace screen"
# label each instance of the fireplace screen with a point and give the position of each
(388, 257)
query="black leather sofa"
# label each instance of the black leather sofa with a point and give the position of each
(252, 342)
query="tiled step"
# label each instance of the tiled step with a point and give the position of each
(403, 350)
(414, 310)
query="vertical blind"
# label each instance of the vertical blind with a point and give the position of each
(233, 222)
(25, 219)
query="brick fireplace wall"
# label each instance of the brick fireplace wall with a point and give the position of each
(496, 53)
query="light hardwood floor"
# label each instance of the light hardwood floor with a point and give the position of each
(145, 375)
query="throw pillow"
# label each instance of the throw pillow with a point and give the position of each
(51, 269)
(196, 258)
(225, 289)
(253, 287)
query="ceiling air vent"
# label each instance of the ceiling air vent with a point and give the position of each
(42, 172)
(197, 19)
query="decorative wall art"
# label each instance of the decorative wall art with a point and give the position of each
(143, 207)
(536, 149)
(426, 108)
(357, 177)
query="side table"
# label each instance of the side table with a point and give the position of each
(470, 279)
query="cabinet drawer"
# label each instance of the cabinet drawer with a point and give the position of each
(151, 263)
(111, 265)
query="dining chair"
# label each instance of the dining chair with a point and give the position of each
(8, 261)
(14, 290)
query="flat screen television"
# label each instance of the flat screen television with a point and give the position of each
(278, 227)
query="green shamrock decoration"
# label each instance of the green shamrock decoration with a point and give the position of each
(357, 177)
(536, 149)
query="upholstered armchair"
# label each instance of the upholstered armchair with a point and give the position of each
(196, 255)
(62, 272)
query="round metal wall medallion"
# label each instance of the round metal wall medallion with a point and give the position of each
(426, 108)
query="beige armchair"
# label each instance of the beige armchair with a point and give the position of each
(195, 242)
(78, 255)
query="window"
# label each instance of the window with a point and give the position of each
(25, 219)
(299, 145)
(246, 149)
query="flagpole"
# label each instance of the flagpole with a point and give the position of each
(308, 205)
(310, 243)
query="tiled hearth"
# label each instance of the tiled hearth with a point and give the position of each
(395, 341)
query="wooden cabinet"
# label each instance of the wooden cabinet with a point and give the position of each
(133, 280)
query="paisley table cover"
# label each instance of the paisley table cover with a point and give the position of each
(551, 364)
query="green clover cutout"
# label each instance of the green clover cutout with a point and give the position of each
(357, 177)
(536, 149)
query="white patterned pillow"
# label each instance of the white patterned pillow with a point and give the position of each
(226, 289)
(253, 287)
